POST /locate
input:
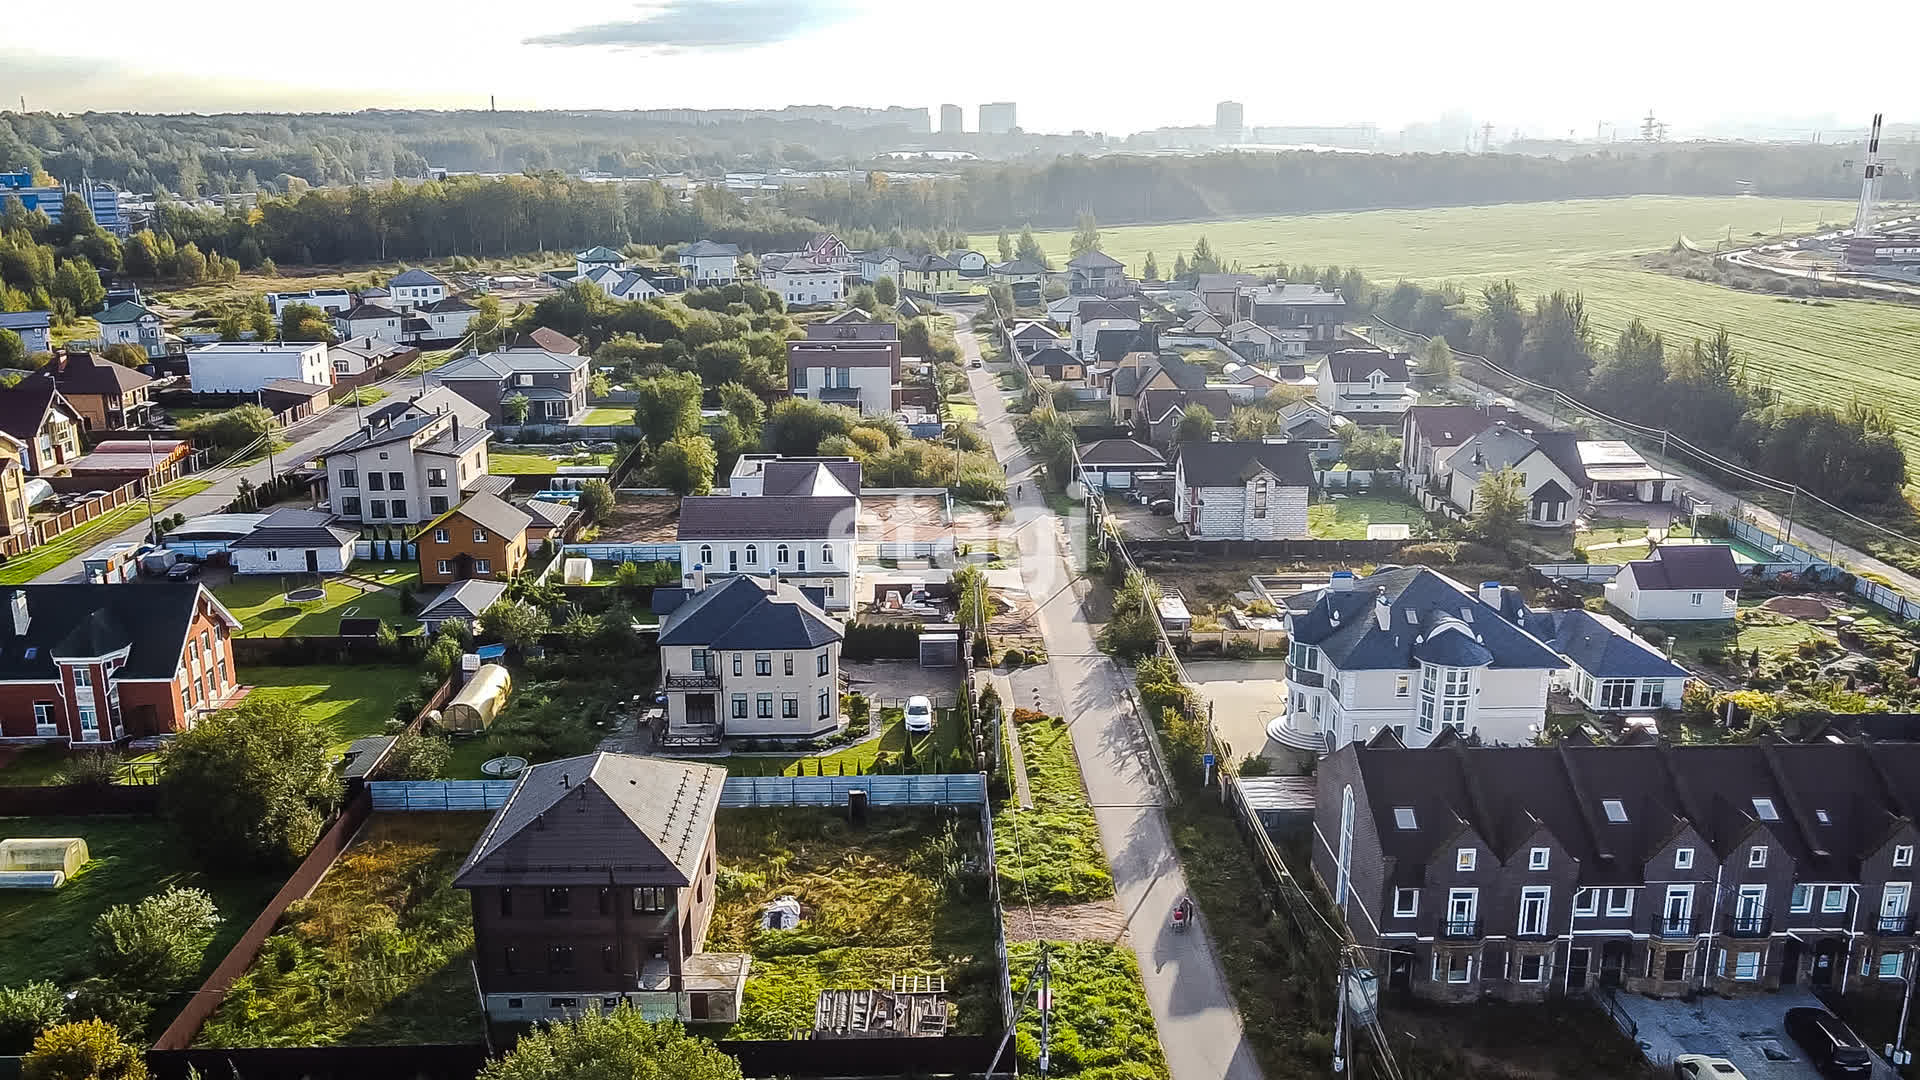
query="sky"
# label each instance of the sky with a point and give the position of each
(1115, 66)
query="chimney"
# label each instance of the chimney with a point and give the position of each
(1382, 611)
(564, 781)
(17, 600)
(1490, 594)
(456, 429)
(1341, 581)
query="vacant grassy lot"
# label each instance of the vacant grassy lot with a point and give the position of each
(48, 935)
(362, 395)
(891, 897)
(608, 414)
(354, 701)
(379, 955)
(1052, 852)
(259, 602)
(77, 542)
(535, 460)
(1347, 518)
(1101, 1026)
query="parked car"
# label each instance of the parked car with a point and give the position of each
(1705, 1067)
(1832, 1046)
(183, 571)
(919, 715)
(1162, 507)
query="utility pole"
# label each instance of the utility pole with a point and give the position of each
(151, 530)
(1046, 1010)
(1792, 496)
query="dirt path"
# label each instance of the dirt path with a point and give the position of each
(1098, 920)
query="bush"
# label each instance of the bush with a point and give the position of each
(618, 1043)
(26, 1011)
(416, 757)
(84, 1050)
(1255, 765)
(156, 945)
(250, 786)
(881, 641)
(1014, 658)
(93, 768)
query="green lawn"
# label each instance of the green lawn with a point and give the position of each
(1620, 555)
(1329, 518)
(1052, 852)
(608, 415)
(34, 766)
(77, 542)
(259, 602)
(48, 935)
(1765, 632)
(1101, 1024)
(532, 460)
(362, 395)
(930, 751)
(354, 701)
(469, 753)
(1606, 530)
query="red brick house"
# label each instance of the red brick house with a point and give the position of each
(103, 663)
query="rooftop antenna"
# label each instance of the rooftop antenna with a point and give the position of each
(1869, 181)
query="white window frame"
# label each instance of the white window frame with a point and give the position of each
(1539, 858)
(1801, 899)
(1406, 903)
(1746, 965)
(1405, 819)
(1540, 974)
(1828, 895)
(1619, 902)
(1586, 901)
(483, 566)
(1757, 856)
(1541, 895)
(1895, 970)
(440, 536)
(1465, 859)
(1683, 858)
(1903, 855)
(443, 567)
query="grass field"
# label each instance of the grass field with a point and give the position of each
(1101, 1025)
(76, 542)
(608, 415)
(1050, 853)
(354, 702)
(260, 605)
(1347, 518)
(534, 461)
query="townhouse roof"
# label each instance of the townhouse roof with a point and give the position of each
(816, 478)
(1423, 606)
(767, 517)
(85, 373)
(24, 407)
(745, 612)
(363, 311)
(416, 276)
(704, 249)
(1094, 260)
(499, 365)
(25, 320)
(77, 621)
(599, 819)
(1600, 645)
(464, 600)
(1121, 452)
(1688, 566)
(1357, 365)
(125, 311)
(1232, 464)
(490, 512)
(546, 339)
(289, 527)
(849, 353)
(1451, 425)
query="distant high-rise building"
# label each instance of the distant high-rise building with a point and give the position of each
(1229, 118)
(998, 118)
(951, 122)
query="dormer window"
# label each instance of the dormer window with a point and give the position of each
(1464, 859)
(1615, 810)
(1403, 818)
(1823, 817)
(1902, 853)
(1765, 811)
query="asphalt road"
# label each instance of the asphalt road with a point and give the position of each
(1199, 1027)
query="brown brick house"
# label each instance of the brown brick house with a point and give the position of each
(484, 538)
(594, 885)
(107, 396)
(99, 663)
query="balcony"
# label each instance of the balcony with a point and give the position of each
(1301, 677)
(1460, 928)
(692, 681)
(1666, 926)
(1893, 925)
(1749, 925)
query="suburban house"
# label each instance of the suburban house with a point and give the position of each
(797, 518)
(592, 887)
(883, 262)
(1414, 652)
(1220, 293)
(14, 512)
(100, 663)
(106, 396)
(1056, 363)
(852, 371)
(290, 541)
(462, 600)
(1143, 371)
(544, 339)
(1309, 425)
(597, 258)
(358, 355)
(929, 275)
(1529, 872)
(413, 290)
(1096, 273)
(243, 367)
(829, 250)
(621, 284)
(1429, 434)
(128, 323)
(707, 263)
(1610, 668)
(970, 263)
(368, 319)
(748, 655)
(446, 319)
(805, 283)
(482, 538)
(1548, 463)
(553, 384)
(1116, 464)
(1304, 308)
(1365, 383)
(1025, 277)
(1088, 333)
(1241, 490)
(1678, 582)
(412, 460)
(1162, 410)
(39, 417)
(1031, 336)
(328, 301)
(1255, 342)
(1618, 473)
(34, 327)
(550, 518)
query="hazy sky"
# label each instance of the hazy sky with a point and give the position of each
(1114, 66)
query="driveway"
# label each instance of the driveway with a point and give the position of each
(1245, 695)
(1750, 1032)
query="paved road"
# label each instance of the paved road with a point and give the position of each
(1199, 1027)
(309, 437)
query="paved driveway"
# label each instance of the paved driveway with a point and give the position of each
(1245, 695)
(1751, 1032)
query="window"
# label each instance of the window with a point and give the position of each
(1765, 811)
(43, 718)
(1746, 965)
(1834, 899)
(1406, 903)
(764, 706)
(1464, 859)
(826, 554)
(483, 566)
(706, 554)
(1757, 855)
(1619, 901)
(349, 478)
(1586, 902)
(350, 507)
(1404, 818)
(82, 678)
(790, 707)
(1683, 858)
(378, 506)
(1616, 693)
(1534, 900)
(1653, 693)
(560, 961)
(376, 481)
(1802, 898)
(737, 661)
(739, 706)
(1903, 855)
(702, 662)
(1616, 810)
(1459, 967)
(789, 663)
(1892, 965)
(753, 554)
(650, 899)
(559, 901)
(820, 663)
(1537, 858)
(440, 536)
(781, 555)
(763, 664)
(479, 536)
(436, 478)
(1402, 685)
(399, 508)
(1532, 968)
(1695, 599)
(1304, 657)
(824, 710)
(1260, 499)
(799, 378)
(443, 566)
(1443, 696)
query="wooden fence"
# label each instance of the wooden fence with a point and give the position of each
(49, 529)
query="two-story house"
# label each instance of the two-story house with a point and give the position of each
(1548, 463)
(929, 275)
(707, 263)
(14, 513)
(1525, 872)
(847, 369)
(1365, 383)
(748, 655)
(1096, 273)
(85, 664)
(446, 319)
(484, 538)
(105, 395)
(1678, 583)
(1136, 374)
(1413, 651)
(805, 283)
(410, 461)
(1242, 490)
(128, 323)
(358, 355)
(1292, 309)
(1429, 435)
(553, 384)
(371, 320)
(829, 250)
(593, 887)
(795, 517)
(412, 290)
(883, 262)
(39, 417)
(1026, 278)
(597, 258)
(34, 327)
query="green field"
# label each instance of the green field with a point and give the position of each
(533, 460)
(1829, 353)
(261, 606)
(354, 702)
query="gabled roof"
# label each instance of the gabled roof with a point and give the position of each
(928, 264)
(550, 513)
(464, 600)
(499, 365)
(885, 254)
(813, 478)
(125, 311)
(1421, 604)
(369, 347)
(1014, 267)
(1094, 260)
(1451, 425)
(442, 307)
(1298, 294)
(24, 407)
(416, 277)
(367, 311)
(1688, 566)
(490, 512)
(1600, 645)
(798, 265)
(288, 527)
(25, 320)
(747, 612)
(599, 253)
(707, 249)
(150, 621)
(1157, 405)
(1034, 331)
(767, 517)
(545, 339)
(1118, 452)
(85, 373)
(1357, 365)
(1232, 464)
(599, 819)
(1051, 356)
(851, 315)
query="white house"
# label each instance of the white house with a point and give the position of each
(34, 328)
(861, 374)
(1252, 340)
(1088, 331)
(446, 319)
(708, 263)
(243, 367)
(290, 541)
(882, 262)
(1242, 490)
(370, 320)
(1356, 381)
(747, 655)
(128, 323)
(597, 258)
(620, 284)
(1548, 463)
(416, 288)
(356, 355)
(330, 301)
(970, 263)
(1415, 651)
(410, 461)
(804, 283)
(1678, 582)
(798, 518)
(1609, 668)
(829, 250)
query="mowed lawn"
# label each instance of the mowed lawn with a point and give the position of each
(536, 460)
(1333, 517)
(354, 701)
(260, 603)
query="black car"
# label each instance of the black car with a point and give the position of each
(1162, 507)
(1830, 1044)
(183, 571)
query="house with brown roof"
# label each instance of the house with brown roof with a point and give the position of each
(543, 339)
(484, 538)
(107, 396)
(40, 418)
(593, 886)
(1678, 582)
(1429, 434)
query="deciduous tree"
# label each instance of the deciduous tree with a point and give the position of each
(250, 786)
(617, 1045)
(686, 465)
(1499, 505)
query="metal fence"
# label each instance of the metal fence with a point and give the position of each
(1577, 571)
(620, 553)
(939, 789)
(413, 796)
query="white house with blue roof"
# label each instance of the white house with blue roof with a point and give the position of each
(747, 655)
(1411, 650)
(1609, 668)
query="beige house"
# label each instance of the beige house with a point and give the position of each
(411, 461)
(13, 485)
(39, 417)
(748, 656)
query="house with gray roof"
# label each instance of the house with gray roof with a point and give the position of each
(1241, 490)
(806, 538)
(708, 263)
(553, 384)
(1370, 385)
(1609, 667)
(462, 600)
(291, 541)
(34, 328)
(1679, 582)
(748, 655)
(1548, 463)
(411, 460)
(412, 290)
(1096, 273)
